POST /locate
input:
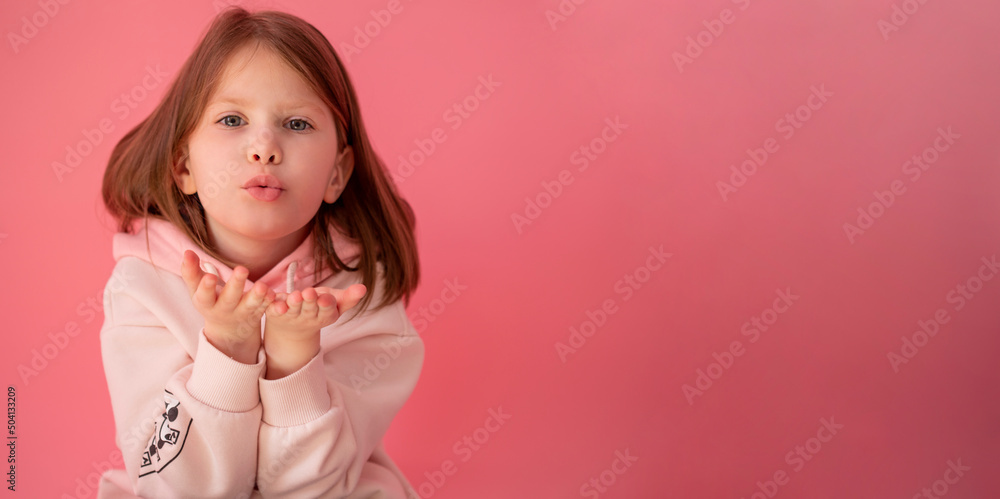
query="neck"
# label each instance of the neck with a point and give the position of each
(258, 256)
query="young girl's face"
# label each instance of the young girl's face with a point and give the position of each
(263, 156)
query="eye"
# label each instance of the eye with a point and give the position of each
(299, 125)
(231, 120)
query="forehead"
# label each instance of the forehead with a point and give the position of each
(256, 72)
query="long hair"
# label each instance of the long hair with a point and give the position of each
(138, 182)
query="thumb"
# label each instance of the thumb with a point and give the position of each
(351, 297)
(346, 298)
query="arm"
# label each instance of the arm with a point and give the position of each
(322, 422)
(186, 427)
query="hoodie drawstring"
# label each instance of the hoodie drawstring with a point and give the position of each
(208, 267)
(290, 280)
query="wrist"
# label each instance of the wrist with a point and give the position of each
(285, 355)
(243, 350)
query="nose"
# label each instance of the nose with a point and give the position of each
(264, 148)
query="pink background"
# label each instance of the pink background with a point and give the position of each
(655, 185)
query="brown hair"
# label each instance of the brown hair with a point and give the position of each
(138, 182)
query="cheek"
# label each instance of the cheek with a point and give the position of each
(213, 145)
(317, 155)
(315, 169)
(213, 169)
(313, 189)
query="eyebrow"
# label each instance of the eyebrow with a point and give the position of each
(295, 105)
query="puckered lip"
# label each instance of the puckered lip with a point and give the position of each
(263, 181)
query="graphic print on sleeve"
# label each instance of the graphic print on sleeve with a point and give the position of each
(169, 435)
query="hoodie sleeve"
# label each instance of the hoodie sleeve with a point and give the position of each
(321, 423)
(186, 415)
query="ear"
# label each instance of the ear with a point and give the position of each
(182, 173)
(342, 170)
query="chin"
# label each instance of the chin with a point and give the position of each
(272, 233)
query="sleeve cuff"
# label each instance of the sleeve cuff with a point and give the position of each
(297, 398)
(223, 383)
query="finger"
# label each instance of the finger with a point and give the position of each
(209, 268)
(204, 294)
(294, 302)
(264, 307)
(328, 312)
(309, 306)
(256, 306)
(334, 292)
(351, 297)
(276, 309)
(253, 299)
(344, 297)
(326, 302)
(268, 299)
(191, 271)
(233, 290)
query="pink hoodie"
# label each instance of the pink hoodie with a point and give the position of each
(192, 422)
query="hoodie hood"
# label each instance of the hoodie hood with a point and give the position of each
(167, 244)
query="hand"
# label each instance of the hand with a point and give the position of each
(292, 328)
(307, 311)
(232, 317)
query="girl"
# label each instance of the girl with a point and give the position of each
(272, 354)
